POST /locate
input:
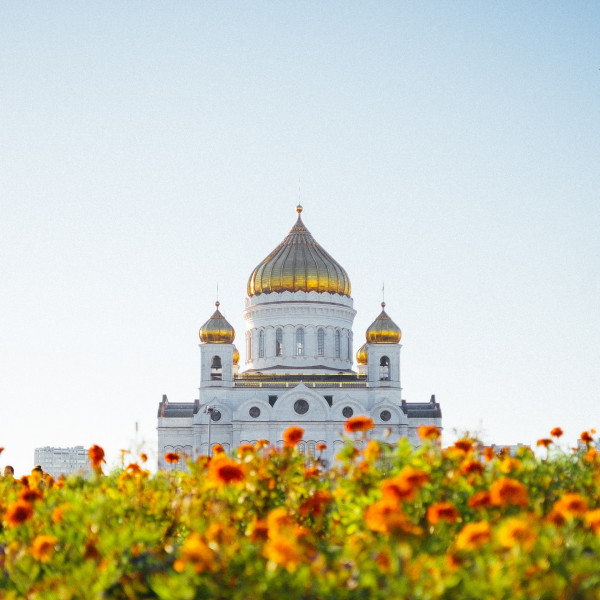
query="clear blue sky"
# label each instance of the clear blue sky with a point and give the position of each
(150, 150)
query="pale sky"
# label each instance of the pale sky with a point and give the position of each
(150, 150)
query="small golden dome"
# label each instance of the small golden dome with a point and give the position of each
(361, 355)
(299, 264)
(217, 330)
(383, 330)
(236, 356)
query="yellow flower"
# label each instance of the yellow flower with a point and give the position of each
(473, 535)
(517, 531)
(42, 548)
(592, 518)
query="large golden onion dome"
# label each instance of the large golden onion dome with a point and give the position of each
(217, 330)
(383, 330)
(236, 356)
(361, 355)
(299, 264)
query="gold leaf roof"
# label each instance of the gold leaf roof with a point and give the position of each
(361, 355)
(383, 330)
(217, 329)
(299, 264)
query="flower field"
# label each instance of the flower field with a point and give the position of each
(389, 522)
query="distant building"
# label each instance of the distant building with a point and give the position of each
(510, 449)
(298, 367)
(62, 461)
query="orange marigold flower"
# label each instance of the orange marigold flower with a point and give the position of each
(473, 535)
(321, 447)
(586, 437)
(571, 505)
(544, 442)
(134, 468)
(28, 495)
(507, 491)
(360, 423)
(42, 548)
(292, 435)
(1, 449)
(218, 449)
(556, 432)
(278, 519)
(442, 511)
(245, 448)
(96, 456)
(143, 457)
(195, 552)
(386, 516)
(480, 499)
(429, 432)
(18, 512)
(556, 518)
(470, 467)
(404, 486)
(224, 470)
(172, 457)
(489, 453)
(373, 450)
(465, 445)
(261, 444)
(592, 518)
(284, 551)
(591, 455)
(258, 530)
(517, 531)
(315, 504)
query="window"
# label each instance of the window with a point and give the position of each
(337, 343)
(349, 348)
(261, 344)
(272, 400)
(384, 369)
(321, 342)
(216, 369)
(300, 342)
(278, 342)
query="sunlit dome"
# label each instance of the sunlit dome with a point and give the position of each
(217, 329)
(299, 264)
(236, 356)
(383, 330)
(361, 355)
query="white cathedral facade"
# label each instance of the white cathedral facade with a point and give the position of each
(298, 367)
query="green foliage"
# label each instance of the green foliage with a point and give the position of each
(386, 522)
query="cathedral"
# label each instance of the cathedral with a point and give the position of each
(298, 366)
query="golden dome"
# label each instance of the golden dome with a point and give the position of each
(361, 355)
(236, 356)
(383, 330)
(217, 330)
(299, 264)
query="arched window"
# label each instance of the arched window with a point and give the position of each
(320, 342)
(248, 345)
(300, 341)
(278, 342)
(216, 368)
(261, 344)
(384, 369)
(349, 348)
(337, 343)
